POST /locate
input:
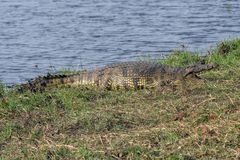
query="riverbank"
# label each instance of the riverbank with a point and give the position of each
(80, 123)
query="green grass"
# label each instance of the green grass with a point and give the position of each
(181, 58)
(91, 123)
(226, 54)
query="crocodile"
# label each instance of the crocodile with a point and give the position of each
(124, 75)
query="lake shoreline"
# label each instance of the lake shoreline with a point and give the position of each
(91, 123)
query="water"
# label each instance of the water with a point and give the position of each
(38, 36)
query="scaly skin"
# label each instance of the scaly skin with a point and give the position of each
(126, 75)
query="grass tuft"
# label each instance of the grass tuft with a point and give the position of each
(181, 58)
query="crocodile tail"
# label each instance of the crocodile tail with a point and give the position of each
(197, 68)
(42, 82)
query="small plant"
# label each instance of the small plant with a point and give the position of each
(227, 47)
(132, 152)
(6, 132)
(226, 54)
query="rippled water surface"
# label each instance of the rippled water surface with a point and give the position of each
(38, 36)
